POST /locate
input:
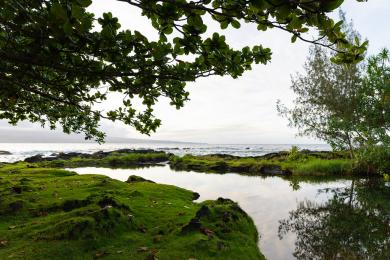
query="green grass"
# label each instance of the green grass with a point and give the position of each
(56, 214)
(325, 167)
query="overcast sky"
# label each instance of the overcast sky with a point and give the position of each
(226, 110)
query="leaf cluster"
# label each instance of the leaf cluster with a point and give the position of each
(57, 66)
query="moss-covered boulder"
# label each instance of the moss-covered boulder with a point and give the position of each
(56, 214)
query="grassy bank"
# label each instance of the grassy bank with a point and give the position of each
(283, 163)
(55, 214)
(115, 159)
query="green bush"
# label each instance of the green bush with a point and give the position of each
(374, 159)
(294, 153)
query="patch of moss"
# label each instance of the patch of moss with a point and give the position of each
(57, 214)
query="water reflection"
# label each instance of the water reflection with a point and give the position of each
(268, 200)
(353, 224)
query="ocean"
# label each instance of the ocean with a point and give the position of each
(20, 151)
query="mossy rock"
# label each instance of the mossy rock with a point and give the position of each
(65, 215)
(135, 178)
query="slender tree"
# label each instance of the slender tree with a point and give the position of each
(328, 98)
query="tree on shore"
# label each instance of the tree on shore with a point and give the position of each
(326, 100)
(348, 106)
(342, 104)
(56, 64)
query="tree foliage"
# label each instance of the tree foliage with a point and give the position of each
(346, 105)
(326, 99)
(375, 101)
(56, 64)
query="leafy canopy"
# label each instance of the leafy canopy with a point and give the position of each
(56, 64)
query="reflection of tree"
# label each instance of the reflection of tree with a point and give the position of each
(353, 224)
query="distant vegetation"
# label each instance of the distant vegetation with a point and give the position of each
(293, 162)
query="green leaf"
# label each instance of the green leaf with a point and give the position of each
(58, 11)
(262, 27)
(330, 5)
(259, 4)
(77, 11)
(294, 38)
(224, 24)
(68, 28)
(236, 24)
(84, 3)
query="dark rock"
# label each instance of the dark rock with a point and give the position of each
(219, 166)
(96, 155)
(195, 196)
(224, 156)
(274, 170)
(207, 232)
(16, 189)
(202, 212)
(269, 156)
(69, 205)
(193, 225)
(99, 155)
(226, 216)
(135, 178)
(5, 153)
(65, 156)
(34, 159)
(16, 206)
(224, 201)
(109, 201)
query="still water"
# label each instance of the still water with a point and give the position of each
(304, 219)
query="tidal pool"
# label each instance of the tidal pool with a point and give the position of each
(306, 219)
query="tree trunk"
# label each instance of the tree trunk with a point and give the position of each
(351, 151)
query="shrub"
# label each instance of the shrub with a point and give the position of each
(293, 154)
(374, 159)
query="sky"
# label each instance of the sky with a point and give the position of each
(236, 111)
